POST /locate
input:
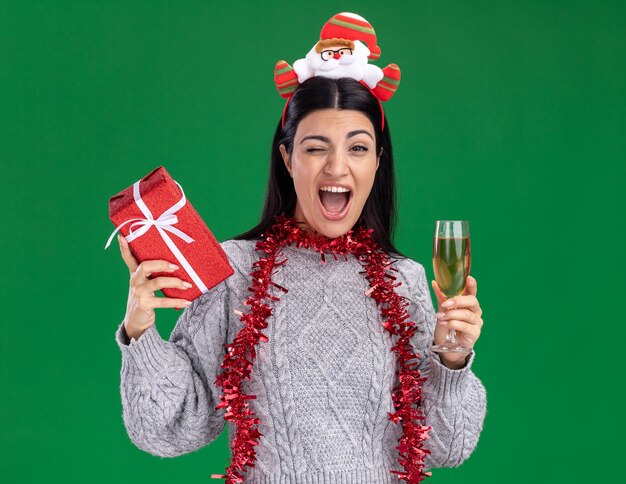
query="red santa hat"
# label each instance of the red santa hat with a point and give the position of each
(351, 26)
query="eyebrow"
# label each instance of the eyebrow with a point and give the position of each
(358, 131)
(327, 140)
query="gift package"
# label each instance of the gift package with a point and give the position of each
(159, 222)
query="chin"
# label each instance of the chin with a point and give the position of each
(335, 229)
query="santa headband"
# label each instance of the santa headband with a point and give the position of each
(346, 42)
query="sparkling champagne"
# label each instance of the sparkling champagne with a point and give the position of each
(451, 263)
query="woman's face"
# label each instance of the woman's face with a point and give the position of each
(333, 164)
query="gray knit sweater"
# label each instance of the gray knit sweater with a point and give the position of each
(323, 380)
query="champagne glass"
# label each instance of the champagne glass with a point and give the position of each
(451, 264)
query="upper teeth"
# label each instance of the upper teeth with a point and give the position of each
(335, 189)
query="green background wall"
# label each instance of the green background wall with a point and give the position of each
(510, 114)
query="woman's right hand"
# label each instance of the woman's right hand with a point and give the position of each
(141, 299)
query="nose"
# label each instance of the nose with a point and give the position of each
(336, 165)
(336, 55)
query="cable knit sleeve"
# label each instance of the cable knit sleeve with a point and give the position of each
(453, 401)
(168, 387)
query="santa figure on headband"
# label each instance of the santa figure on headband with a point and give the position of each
(346, 43)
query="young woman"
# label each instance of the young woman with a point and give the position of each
(310, 324)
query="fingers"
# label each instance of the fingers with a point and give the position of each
(470, 302)
(127, 255)
(462, 326)
(149, 303)
(438, 292)
(464, 315)
(147, 267)
(149, 287)
(461, 313)
(162, 282)
(470, 289)
(470, 286)
(461, 320)
(143, 289)
(142, 301)
(456, 302)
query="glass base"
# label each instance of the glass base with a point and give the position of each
(449, 347)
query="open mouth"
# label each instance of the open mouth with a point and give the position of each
(334, 201)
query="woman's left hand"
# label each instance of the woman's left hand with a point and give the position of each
(461, 313)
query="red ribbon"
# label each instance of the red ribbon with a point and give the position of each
(240, 354)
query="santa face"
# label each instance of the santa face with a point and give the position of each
(337, 60)
(333, 164)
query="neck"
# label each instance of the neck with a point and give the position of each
(299, 221)
(303, 225)
(293, 229)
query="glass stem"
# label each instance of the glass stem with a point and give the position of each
(451, 337)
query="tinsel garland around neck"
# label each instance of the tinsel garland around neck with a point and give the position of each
(238, 360)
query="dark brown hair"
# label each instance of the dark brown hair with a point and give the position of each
(379, 211)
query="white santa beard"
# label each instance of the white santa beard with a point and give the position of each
(355, 72)
(360, 72)
(332, 64)
(357, 69)
(328, 65)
